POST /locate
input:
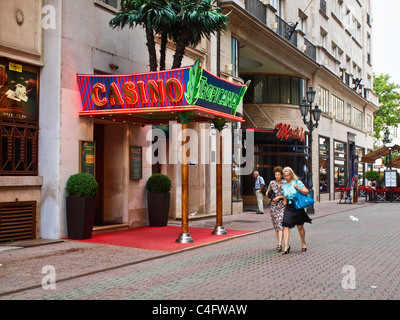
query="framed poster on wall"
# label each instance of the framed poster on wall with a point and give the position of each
(135, 163)
(19, 91)
(87, 157)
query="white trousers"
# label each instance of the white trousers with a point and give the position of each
(260, 203)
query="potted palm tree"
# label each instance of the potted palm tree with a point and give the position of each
(81, 205)
(158, 199)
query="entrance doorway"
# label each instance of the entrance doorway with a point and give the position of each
(99, 139)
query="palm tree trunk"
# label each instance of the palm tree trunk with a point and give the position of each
(180, 48)
(151, 47)
(163, 49)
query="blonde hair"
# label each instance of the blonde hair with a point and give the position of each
(291, 172)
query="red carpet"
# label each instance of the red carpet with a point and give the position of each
(159, 239)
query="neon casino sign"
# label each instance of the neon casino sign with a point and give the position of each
(181, 87)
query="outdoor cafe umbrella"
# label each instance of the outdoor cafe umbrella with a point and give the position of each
(396, 162)
(379, 153)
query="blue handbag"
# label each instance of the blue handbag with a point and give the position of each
(301, 201)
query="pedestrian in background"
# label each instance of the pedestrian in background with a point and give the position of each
(258, 186)
(292, 216)
(277, 207)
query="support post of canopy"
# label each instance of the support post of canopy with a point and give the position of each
(185, 237)
(219, 228)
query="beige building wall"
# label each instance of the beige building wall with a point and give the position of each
(341, 34)
(21, 39)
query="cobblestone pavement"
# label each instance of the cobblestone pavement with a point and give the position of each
(341, 254)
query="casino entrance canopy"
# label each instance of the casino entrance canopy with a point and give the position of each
(182, 95)
(159, 97)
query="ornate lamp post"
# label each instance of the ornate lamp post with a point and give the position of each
(306, 109)
(386, 142)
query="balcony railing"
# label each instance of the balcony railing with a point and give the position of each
(286, 31)
(311, 50)
(257, 9)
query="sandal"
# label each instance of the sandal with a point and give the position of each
(279, 248)
(287, 251)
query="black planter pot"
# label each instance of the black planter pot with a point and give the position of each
(158, 208)
(80, 217)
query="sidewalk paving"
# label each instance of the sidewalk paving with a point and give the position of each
(21, 262)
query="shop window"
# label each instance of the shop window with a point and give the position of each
(324, 165)
(340, 161)
(361, 167)
(271, 152)
(19, 119)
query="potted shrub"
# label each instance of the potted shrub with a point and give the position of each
(158, 199)
(81, 205)
(372, 175)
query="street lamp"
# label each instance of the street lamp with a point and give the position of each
(306, 109)
(386, 136)
(387, 143)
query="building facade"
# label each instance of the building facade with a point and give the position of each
(48, 42)
(285, 47)
(57, 40)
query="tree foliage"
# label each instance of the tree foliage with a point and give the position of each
(388, 114)
(184, 22)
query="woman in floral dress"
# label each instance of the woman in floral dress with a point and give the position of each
(277, 207)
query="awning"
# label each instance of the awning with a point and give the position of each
(159, 97)
(396, 162)
(379, 153)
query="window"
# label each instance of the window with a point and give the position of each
(324, 156)
(323, 6)
(361, 167)
(236, 155)
(324, 99)
(277, 5)
(369, 124)
(323, 38)
(357, 30)
(274, 89)
(302, 21)
(112, 3)
(334, 50)
(340, 150)
(369, 48)
(337, 7)
(358, 118)
(347, 119)
(347, 19)
(338, 108)
(235, 57)
(19, 118)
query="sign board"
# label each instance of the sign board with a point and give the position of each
(286, 132)
(135, 163)
(87, 153)
(18, 91)
(390, 179)
(186, 86)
